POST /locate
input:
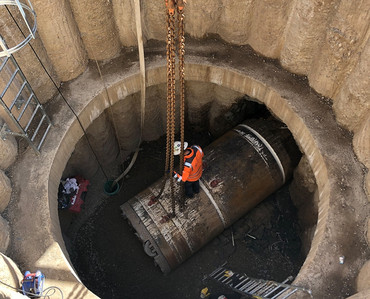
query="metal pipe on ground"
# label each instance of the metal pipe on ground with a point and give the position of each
(241, 169)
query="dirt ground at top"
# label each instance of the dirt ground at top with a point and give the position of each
(111, 262)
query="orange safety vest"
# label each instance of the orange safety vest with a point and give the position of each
(193, 165)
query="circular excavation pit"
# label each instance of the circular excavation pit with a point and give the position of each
(287, 97)
(241, 168)
(264, 244)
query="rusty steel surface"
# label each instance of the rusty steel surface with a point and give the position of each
(241, 168)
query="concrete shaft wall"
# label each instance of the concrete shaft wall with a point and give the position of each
(328, 41)
(288, 97)
(62, 40)
(26, 58)
(325, 40)
(97, 28)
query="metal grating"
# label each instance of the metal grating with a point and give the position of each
(258, 288)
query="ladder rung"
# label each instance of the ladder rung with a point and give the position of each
(251, 287)
(277, 287)
(240, 283)
(10, 82)
(224, 279)
(4, 63)
(287, 280)
(32, 117)
(25, 107)
(278, 294)
(20, 102)
(43, 137)
(216, 271)
(219, 275)
(38, 128)
(290, 293)
(273, 290)
(17, 96)
(258, 287)
(267, 288)
(247, 285)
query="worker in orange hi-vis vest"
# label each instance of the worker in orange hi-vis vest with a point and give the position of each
(193, 167)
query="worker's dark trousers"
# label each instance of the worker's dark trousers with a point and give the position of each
(191, 188)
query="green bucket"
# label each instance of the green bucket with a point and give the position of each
(108, 188)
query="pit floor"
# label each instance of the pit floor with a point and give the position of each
(110, 260)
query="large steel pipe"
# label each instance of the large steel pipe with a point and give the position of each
(242, 168)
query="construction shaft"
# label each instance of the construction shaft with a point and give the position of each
(242, 168)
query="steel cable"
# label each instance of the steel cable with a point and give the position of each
(62, 96)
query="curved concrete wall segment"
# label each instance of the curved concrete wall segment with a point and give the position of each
(99, 35)
(352, 103)
(8, 150)
(327, 41)
(61, 38)
(125, 22)
(346, 35)
(339, 177)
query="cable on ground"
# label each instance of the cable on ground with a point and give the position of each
(47, 293)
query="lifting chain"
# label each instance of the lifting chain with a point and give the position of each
(181, 36)
(171, 6)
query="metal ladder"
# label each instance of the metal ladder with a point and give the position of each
(258, 288)
(21, 105)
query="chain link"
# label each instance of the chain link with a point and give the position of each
(171, 97)
(171, 92)
(181, 36)
(169, 84)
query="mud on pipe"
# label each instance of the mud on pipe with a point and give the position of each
(241, 169)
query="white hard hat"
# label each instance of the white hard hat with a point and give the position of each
(177, 147)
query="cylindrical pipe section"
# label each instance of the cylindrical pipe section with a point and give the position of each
(4, 235)
(241, 168)
(98, 31)
(8, 149)
(125, 20)
(5, 191)
(61, 38)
